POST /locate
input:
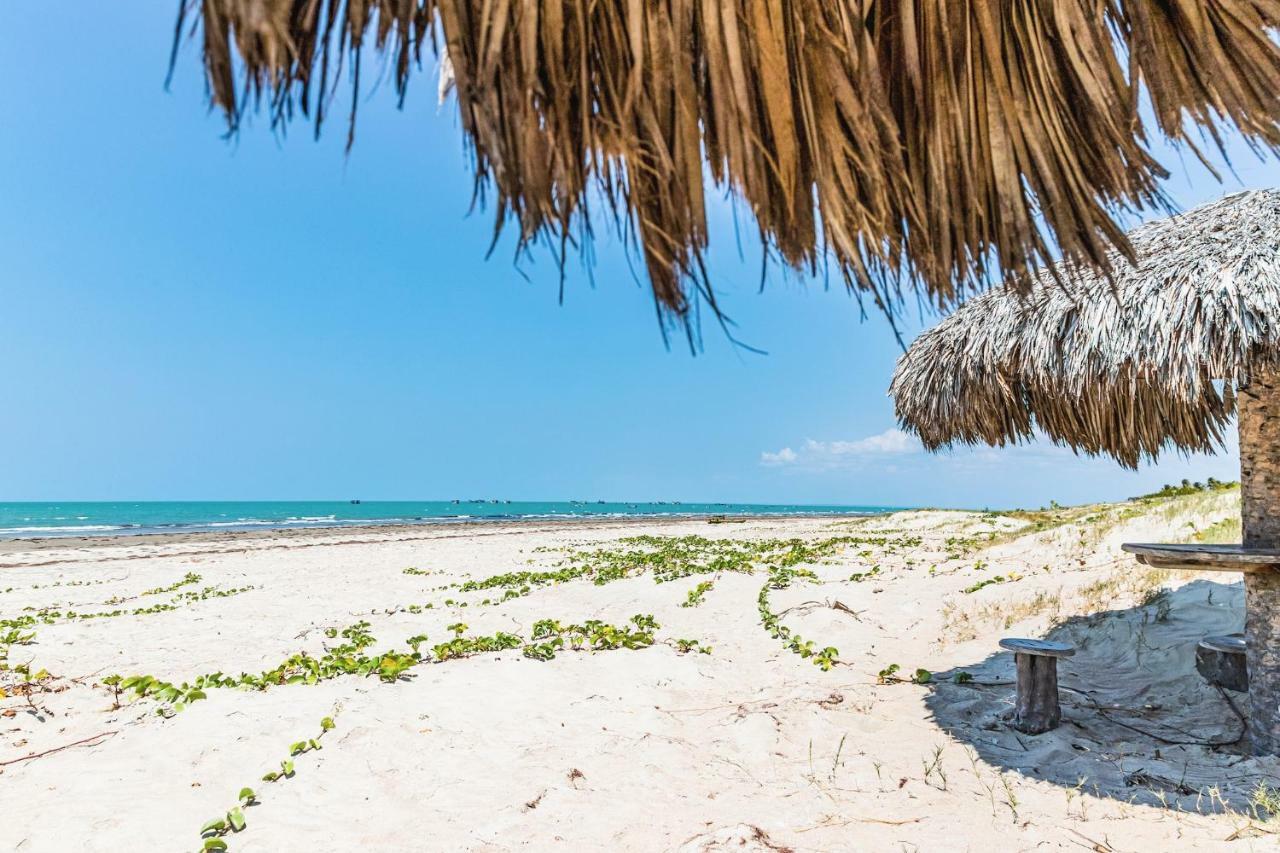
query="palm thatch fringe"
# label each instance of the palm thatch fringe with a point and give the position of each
(931, 144)
(1123, 367)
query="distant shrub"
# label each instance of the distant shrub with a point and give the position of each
(1186, 487)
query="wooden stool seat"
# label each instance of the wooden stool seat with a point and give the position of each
(1228, 644)
(1037, 709)
(1043, 648)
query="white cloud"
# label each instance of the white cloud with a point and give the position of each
(835, 454)
(785, 456)
(891, 441)
(892, 467)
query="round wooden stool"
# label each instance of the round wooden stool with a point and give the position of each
(1037, 710)
(1221, 661)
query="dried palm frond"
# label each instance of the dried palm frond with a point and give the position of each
(941, 143)
(1124, 367)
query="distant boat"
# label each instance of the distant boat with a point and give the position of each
(355, 501)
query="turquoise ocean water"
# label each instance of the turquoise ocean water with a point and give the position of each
(22, 520)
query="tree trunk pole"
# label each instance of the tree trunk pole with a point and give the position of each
(1259, 419)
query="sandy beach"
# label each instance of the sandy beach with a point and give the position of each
(772, 684)
(437, 427)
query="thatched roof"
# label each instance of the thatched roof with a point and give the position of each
(936, 143)
(1124, 371)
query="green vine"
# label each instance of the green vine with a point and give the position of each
(233, 821)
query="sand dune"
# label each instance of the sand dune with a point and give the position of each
(733, 740)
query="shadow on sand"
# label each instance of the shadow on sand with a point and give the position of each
(1139, 724)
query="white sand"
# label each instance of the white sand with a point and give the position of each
(748, 748)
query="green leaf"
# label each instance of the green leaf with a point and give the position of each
(215, 844)
(271, 777)
(246, 794)
(326, 723)
(215, 825)
(236, 818)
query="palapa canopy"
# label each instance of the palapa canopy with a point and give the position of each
(934, 145)
(1164, 353)
(1124, 366)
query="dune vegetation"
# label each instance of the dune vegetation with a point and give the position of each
(773, 684)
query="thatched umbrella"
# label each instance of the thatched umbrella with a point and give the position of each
(1158, 357)
(926, 144)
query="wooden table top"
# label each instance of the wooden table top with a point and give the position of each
(1205, 558)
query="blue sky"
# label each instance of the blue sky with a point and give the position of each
(186, 317)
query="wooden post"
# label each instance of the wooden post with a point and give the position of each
(1037, 709)
(1259, 418)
